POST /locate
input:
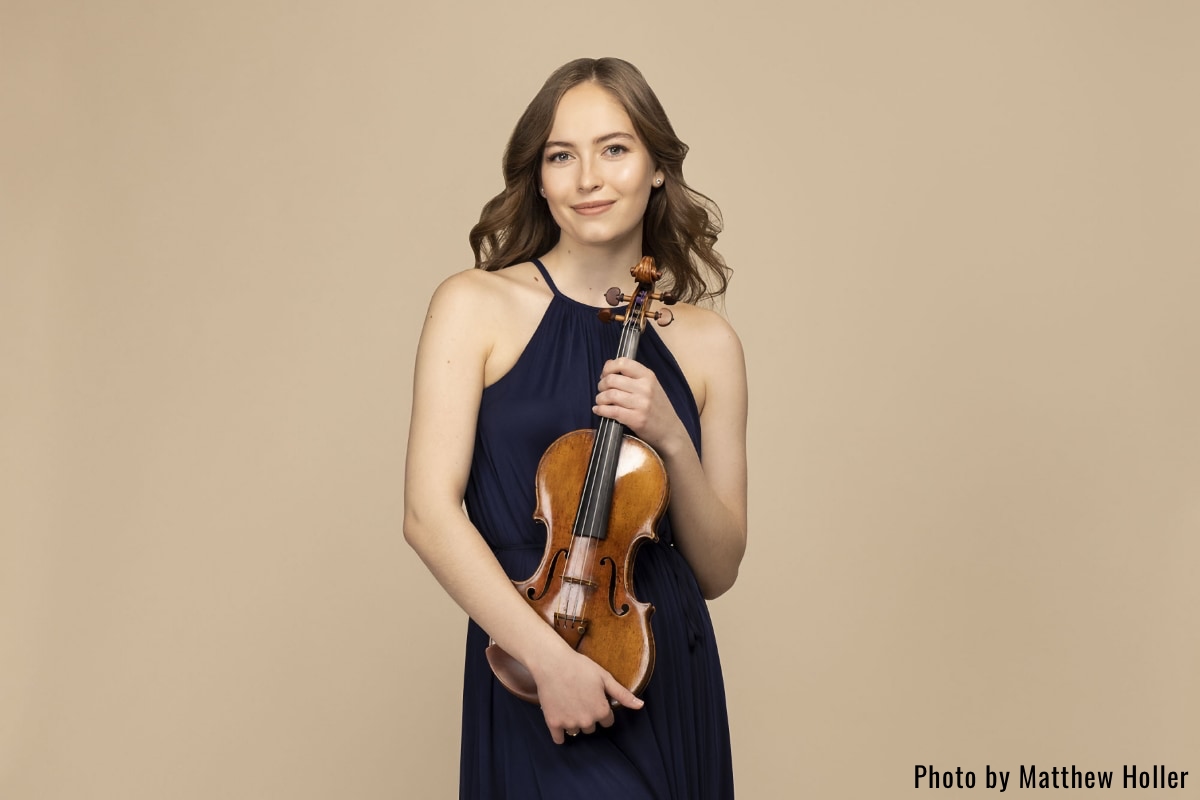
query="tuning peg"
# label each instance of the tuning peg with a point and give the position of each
(608, 315)
(614, 296)
(666, 298)
(663, 317)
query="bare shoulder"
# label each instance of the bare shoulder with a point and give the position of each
(709, 326)
(458, 323)
(701, 332)
(491, 315)
(471, 290)
(707, 348)
(479, 290)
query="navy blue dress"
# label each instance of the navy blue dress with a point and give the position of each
(676, 746)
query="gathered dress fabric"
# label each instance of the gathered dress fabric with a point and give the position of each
(677, 746)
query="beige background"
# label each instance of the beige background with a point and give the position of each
(967, 281)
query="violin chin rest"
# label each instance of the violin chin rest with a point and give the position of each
(512, 673)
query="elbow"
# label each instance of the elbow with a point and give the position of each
(414, 529)
(711, 590)
(426, 523)
(721, 582)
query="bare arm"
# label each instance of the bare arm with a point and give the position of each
(708, 495)
(447, 388)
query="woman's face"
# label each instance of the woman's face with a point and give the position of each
(596, 174)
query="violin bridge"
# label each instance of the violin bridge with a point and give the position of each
(570, 628)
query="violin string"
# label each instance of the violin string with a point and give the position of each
(630, 334)
(571, 604)
(604, 454)
(589, 512)
(572, 594)
(586, 521)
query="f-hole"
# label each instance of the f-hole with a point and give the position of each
(549, 577)
(607, 561)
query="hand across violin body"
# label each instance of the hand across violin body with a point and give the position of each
(577, 695)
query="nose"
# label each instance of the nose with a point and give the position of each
(589, 176)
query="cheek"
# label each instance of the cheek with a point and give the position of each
(635, 186)
(557, 182)
(634, 177)
(553, 197)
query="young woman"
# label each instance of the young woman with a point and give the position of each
(512, 356)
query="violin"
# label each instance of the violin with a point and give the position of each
(600, 495)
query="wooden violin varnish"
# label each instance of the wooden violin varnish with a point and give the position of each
(600, 494)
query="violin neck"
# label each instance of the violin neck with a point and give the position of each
(596, 500)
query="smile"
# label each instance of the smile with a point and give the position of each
(597, 207)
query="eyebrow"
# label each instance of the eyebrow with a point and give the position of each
(598, 140)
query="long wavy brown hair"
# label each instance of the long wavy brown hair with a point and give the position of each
(680, 226)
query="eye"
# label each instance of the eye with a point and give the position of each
(615, 150)
(558, 157)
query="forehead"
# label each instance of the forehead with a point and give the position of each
(587, 111)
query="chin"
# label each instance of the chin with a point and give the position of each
(598, 238)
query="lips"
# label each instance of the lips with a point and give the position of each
(593, 207)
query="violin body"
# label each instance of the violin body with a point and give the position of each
(582, 587)
(600, 494)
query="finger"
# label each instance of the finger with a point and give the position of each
(624, 366)
(620, 383)
(613, 365)
(616, 412)
(608, 719)
(618, 397)
(558, 735)
(622, 695)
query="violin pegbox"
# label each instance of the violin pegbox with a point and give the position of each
(638, 309)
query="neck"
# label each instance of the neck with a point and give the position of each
(586, 272)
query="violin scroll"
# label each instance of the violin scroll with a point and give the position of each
(639, 302)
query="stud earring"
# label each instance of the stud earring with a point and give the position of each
(541, 191)
(658, 181)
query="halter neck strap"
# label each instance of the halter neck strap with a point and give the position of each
(545, 274)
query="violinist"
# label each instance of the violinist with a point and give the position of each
(511, 357)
